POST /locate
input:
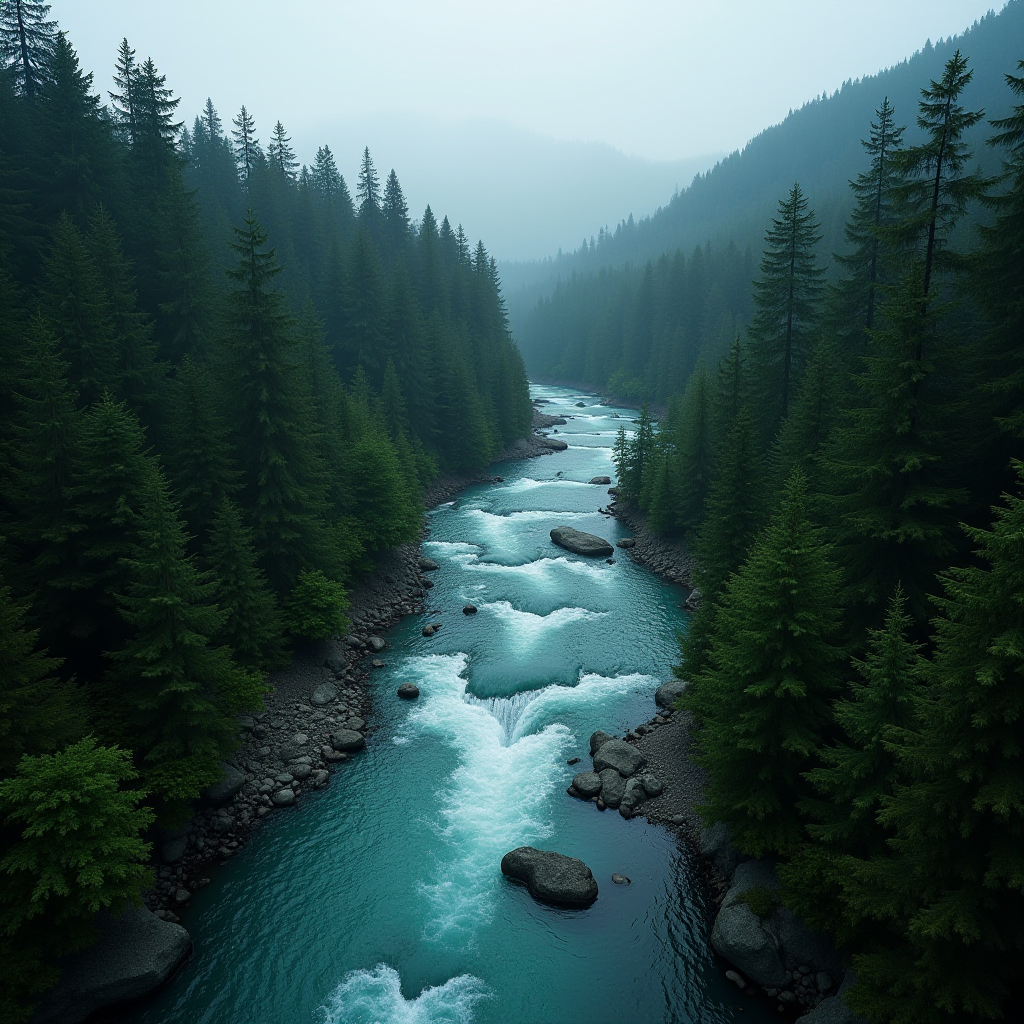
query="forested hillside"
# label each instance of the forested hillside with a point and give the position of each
(611, 315)
(225, 382)
(849, 477)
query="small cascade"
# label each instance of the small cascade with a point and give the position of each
(507, 711)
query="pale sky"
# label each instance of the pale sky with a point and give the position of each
(664, 81)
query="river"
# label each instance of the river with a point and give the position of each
(380, 898)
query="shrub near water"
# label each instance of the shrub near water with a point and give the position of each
(316, 609)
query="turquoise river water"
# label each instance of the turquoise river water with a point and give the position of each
(380, 899)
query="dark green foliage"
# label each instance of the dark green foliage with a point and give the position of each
(315, 609)
(38, 712)
(171, 693)
(199, 461)
(762, 704)
(384, 498)
(786, 307)
(251, 627)
(695, 446)
(891, 502)
(26, 43)
(75, 847)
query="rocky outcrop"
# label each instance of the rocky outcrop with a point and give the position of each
(668, 693)
(469, 609)
(551, 877)
(220, 792)
(692, 602)
(621, 756)
(580, 543)
(769, 944)
(552, 442)
(134, 954)
(601, 480)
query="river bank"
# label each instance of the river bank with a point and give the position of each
(286, 748)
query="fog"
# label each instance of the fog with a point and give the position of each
(533, 124)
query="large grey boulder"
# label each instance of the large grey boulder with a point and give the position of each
(325, 693)
(613, 787)
(600, 480)
(587, 784)
(427, 564)
(551, 877)
(346, 740)
(668, 693)
(618, 754)
(716, 846)
(231, 781)
(553, 443)
(580, 543)
(766, 948)
(830, 1011)
(597, 738)
(633, 796)
(134, 954)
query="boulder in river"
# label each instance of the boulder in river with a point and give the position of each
(587, 784)
(621, 879)
(668, 693)
(626, 542)
(613, 787)
(427, 564)
(553, 443)
(621, 756)
(581, 405)
(377, 644)
(345, 740)
(596, 739)
(470, 609)
(551, 877)
(408, 691)
(133, 955)
(325, 693)
(581, 543)
(601, 480)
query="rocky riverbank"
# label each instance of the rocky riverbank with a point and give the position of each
(670, 559)
(295, 743)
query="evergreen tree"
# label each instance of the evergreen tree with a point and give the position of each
(368, 193)
(935, 191)
(251, 627)
(696, 447)
(200, 461)
(280, 152)
(950, 889)
(762, 705)
(170, 693)
(246, 143)
(156, 131)
(866, 262)
(785, 299)
(731, 390)
(38, 713)
(998, 276)
(891, 502)
(76, 848)
(858, 774)
(126, 101)
(396, 217)
(79, 314)
(283, 477)
(26, 42)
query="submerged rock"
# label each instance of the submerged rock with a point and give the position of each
(470, 609)
(601, 480)
(133, 955)
(408, 691)
(618, 754)
(551, 877)
(581, 543)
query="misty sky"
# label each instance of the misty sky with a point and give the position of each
(664, 81)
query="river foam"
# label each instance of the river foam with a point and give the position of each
(526, 629)
(375, 997)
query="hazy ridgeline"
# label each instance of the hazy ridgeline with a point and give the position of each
(847, 470)
(576, 316)
(224, 386)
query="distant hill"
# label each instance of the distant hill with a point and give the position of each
(818, 145)
(525, 193)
